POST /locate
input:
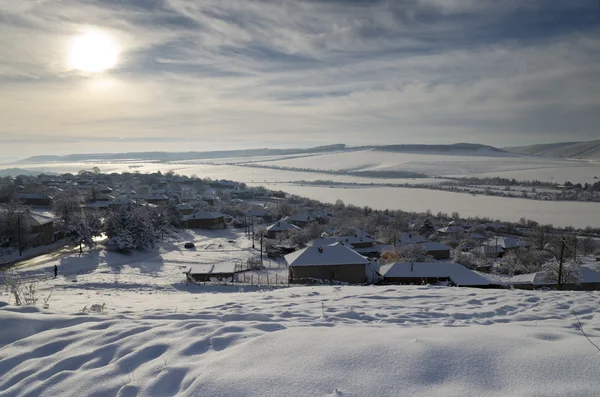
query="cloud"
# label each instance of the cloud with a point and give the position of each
(261, 72)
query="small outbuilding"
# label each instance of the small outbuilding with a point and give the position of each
(205, 273)
(432, 273)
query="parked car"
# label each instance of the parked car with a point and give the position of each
(189, 245)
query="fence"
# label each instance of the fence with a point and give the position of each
(267, 279)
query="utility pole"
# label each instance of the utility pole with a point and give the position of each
(19, 234)
(560, 263)
(252, 222)
(261, 247)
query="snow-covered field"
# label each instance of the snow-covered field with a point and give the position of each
(130, 326)
(504, 165)
(558, 213)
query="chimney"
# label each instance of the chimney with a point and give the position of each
(320, 250)
(411, 266)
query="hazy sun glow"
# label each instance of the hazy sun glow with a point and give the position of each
(93, 51)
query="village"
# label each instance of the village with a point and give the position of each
(272, 238)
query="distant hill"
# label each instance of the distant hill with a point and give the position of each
(454, 148)
(17, 172)
(589, 150)
(177, 156)
(458, 148)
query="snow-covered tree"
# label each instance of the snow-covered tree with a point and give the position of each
(82, 233)
(414, 253)
(141, 229)
(66, 207)
(427, 229)
(571, 271)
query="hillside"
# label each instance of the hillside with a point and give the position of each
(471, 148)
(176, 156)
(458, 148)
(589, 150)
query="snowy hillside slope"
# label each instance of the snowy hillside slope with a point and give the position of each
(304, 341)
(129, 325)
(577, 150)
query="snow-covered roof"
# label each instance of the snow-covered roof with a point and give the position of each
(506, 242)
(301, 218)
(344, 239)
(451, 229)
(334, 254)
(456, 272)
(411, 238)
(489, 250)
(587, 275)
(185, 206)
(211, 268)
(258, 213)
(282, 226)
(203, 215)
(39, 219)
(435, 246)
(38, 196)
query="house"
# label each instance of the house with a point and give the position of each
(259, 213)
(437, 250)
(335, 262)
(431, 273)
(156, 199)
(281, 227)
(355, 241)
(185, 209)
(42, 228)
(34, 199)
(301, 219)
(490, 251)
(216, 272)
(204, 220)
(589, 281)
(410, 238)
(507, 243)
(450, 229)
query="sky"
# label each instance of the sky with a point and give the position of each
(183, 75)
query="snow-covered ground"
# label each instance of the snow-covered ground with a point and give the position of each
(504, 165)
(130, 326)
(558, 213)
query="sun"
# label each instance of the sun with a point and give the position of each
(93, 51)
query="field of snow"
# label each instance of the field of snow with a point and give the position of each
(495, 164)
(150, 334)
(558, 213)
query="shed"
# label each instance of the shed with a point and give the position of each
(431, 273)
(216, 272)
